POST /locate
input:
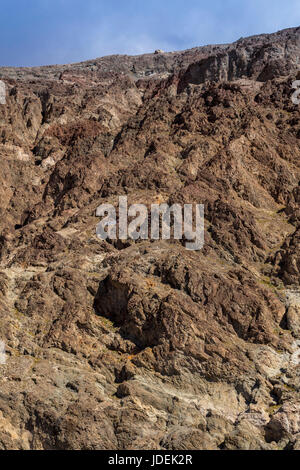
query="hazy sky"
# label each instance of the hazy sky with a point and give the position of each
(39, 32)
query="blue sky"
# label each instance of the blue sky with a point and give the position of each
(40, 32)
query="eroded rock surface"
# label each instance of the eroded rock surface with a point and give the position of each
(147, 345)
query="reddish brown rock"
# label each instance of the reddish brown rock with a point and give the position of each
(147, 345)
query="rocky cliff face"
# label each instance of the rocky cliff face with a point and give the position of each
(147, 345)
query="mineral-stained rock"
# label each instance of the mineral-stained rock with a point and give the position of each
(293, 319)
(146, 345)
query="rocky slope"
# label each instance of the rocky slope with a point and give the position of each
(147, 345)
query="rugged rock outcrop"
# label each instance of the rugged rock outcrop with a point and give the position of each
(123, 345)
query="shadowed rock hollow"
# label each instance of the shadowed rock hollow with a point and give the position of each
(147, 345)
